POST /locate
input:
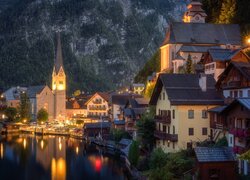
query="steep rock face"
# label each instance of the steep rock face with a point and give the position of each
(105, 42)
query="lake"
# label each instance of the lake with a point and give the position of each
(51, 157)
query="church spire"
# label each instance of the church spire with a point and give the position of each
(58, 58)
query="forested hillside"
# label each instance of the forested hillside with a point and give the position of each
(105, 42)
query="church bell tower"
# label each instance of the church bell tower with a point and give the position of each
(194, 13)
(59, 84)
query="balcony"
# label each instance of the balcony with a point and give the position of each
(97, 101)
(98, 108)
(163, 119)
(241, 133)
(165, 136)
(217, 126)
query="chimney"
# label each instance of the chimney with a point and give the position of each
(203, 82)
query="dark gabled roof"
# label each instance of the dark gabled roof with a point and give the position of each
(208, 154)
(104, 95)
(219, 54)
(184, 89)
(120, 99)
(32, 91)
(59, 57)
(242, 101)
(69, 104)
(203, 33)
(196, 49)
(97, 125)
(242, 67)
(218, 109)
(119, 122)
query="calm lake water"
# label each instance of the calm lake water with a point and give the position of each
(57, 158)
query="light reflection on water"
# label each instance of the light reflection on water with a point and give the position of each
(56, 158)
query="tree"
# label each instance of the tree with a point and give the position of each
(146, 127)
(42, 115)
(227, 12)
(11, 113)
(134, 153)
(189, 65)
(149, 90)
(158, 158)
(24, 107)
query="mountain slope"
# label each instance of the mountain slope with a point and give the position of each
(105, 42)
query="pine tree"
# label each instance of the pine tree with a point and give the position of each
(189, 65)
(24, 108)
(227, 12)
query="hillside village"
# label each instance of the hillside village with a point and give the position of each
(201, 96)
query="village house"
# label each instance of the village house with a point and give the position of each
(76, 110)
(233, 118)
(98, 106)
(215, 163)
(216, 60)
(182, 102)
(188, 38)
(12, 96)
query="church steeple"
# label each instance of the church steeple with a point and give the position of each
(58, 59)
(194, 13)
(58, 76)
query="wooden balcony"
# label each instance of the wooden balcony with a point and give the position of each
(241, 133)
(232, 84)
(163, 119)
(217, 126)
(165, 136)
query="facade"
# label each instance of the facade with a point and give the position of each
(76, 110)
(138, 88)
(98, 106)
(216, 60)
(12, 96)
(188, 38)
(41, 97)
(233, 118)
(182, 102)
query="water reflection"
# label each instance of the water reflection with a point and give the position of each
(56, 158)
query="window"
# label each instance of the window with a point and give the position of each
(235, 94)
(168, 129)
(173, 130)
(204, 131)
(163, 96)
(168, 143)
(164, 128)
(190, 114)
(173, 114)
(189, 145)
(231, 94)
(204, 114)
(240, 93)
(190, 131)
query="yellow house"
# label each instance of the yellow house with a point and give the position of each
(182, 101)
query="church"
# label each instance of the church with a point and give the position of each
(193, 37)
(52, 99)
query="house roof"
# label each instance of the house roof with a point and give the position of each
(193, 33)
(69, 104)
(97, 125)
(13, 93)
(120, 99)
(242, 101)
(217, 109)
(196, 49)
(119, 122)
(184, 89)
(208, 154)
(32, 91)
(219, 54)
(103, 95)
(242, 67)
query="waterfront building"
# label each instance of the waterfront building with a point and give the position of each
(182, 102)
